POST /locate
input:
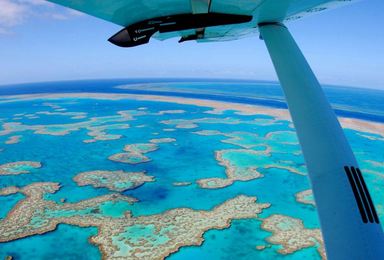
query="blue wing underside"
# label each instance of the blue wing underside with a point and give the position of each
(129, 12)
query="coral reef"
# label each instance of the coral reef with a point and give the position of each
(291, 234)
(122, 235)
(134, 153)
(20, 167)
(113, 180)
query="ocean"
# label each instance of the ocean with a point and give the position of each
(200, 141)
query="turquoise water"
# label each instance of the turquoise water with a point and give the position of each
(190, 158)
(66, 242)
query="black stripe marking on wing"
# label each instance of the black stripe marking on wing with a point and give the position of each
(363, 198)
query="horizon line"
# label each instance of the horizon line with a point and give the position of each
(196, 79)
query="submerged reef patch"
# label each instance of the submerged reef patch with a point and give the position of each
(13, 139)
(283, 137)
(305, 197)
(194, 123)
(134, 153)
(72, 115)
(181, 183)
(291, 234)
(162, 140)
(20, 167)
(114, 180)
(164, 112)
(98, 133)
(234, 170)
(243, 139)
(169, 130)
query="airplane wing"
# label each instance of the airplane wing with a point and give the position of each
(200, 20)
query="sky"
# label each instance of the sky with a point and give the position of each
(40, 41)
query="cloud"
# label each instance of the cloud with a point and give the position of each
(16, 12)
(11, 13)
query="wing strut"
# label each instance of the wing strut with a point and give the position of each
(348, 218)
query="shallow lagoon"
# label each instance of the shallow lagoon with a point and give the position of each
(189, 159)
